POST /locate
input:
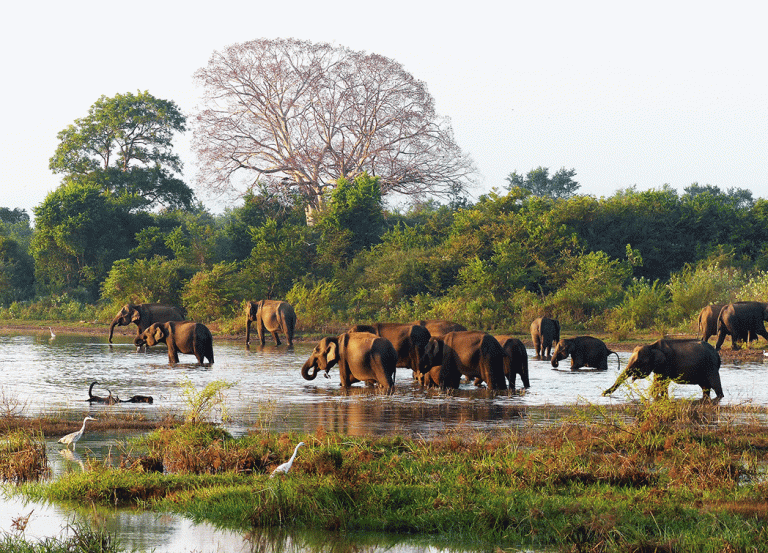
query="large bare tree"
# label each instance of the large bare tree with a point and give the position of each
(298, 114)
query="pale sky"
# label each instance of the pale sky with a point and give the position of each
(640, 94)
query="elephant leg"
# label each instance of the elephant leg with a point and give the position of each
(173, 355)
(720, 338)
(275, 336)
(261, 331)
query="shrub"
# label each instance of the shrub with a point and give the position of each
(644, 306)
(756, 289)
(146, 280)
(214, 294)
(317, 302)
(695, 287)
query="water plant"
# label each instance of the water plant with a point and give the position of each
(22, 456)
(203, 403)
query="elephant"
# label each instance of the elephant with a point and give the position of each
(741, 320)
(439, 327)
(585, 351)
(516, 361)
(270, 316)
(180, 337)
(144, 314)
(708, 321)
(684, 361)
(362, 357)
(474, 354)
(544, 331)
(408, 340)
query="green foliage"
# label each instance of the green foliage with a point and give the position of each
(318, 302)
(697, 286)
(645, 305)
(146, 281)
(539, 183)
(280, 256)
(202, 405)
(79, 233)
(124, 147)
(755, 289)
(352, 221)
(216, 293)
(597, 284)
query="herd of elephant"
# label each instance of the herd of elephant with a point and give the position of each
(441, 352)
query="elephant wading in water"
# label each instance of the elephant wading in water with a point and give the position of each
(180, 337)
(270, 316)
(409, 341)
(361, 356)
(143, 315)
(476, 355)
(544, 331)
(741, 319)
(684, 361)
(516, 361)
(585, 351)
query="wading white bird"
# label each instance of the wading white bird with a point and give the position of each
(74, 436)
(52, 334)
(285, 467)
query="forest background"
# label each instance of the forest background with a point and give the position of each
(125, 228)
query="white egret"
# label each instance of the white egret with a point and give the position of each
(52, 333)
(74, 436)
(285, 467)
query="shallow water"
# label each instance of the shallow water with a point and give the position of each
(42, 376)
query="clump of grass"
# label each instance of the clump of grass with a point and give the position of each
(22, 456)
(202, 404)
(83, 540)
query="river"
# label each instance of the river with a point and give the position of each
(45, 376)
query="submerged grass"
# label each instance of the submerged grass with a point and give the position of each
(669, 476)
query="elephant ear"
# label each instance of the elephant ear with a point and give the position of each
(332, 353)
(135, 316)
(159, 333)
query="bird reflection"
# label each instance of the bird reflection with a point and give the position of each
(73, 457)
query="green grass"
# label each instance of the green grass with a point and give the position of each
(673, 476)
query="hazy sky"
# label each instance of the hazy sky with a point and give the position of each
(642, 93)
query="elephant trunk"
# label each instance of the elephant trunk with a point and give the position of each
(305, 370)
(115, 322)
(555, 361)
(622, 377)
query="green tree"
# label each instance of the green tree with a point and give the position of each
(539, 183)
(353, 219)
(158, 279)
(124, 146)
(79, 232)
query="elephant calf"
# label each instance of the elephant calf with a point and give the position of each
(516, 361)
(180, 337)
(544, 332)
(585, 351)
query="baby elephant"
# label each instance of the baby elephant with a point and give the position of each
(180, 337)
(585, 351)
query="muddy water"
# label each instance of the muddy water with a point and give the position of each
(43, 376)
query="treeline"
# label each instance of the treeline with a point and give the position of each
(634, 260)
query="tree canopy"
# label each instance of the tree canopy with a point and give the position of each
(302, 115)
(539, 183)
(124, 145)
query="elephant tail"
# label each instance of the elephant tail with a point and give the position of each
(617, 358)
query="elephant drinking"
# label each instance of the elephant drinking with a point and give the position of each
(180, 337)
(585, 351)
(143, 315)
(361, 356)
